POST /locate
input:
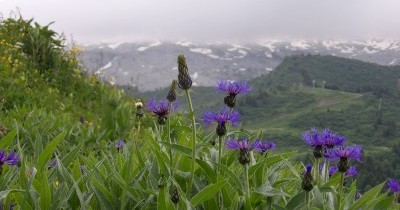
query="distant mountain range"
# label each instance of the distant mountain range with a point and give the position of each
(149, 66)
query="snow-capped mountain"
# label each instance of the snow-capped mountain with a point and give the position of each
(153, 65)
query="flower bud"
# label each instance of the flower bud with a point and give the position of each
(184, 80)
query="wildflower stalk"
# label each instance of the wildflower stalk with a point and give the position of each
(191, 114)
(246, 173)
(308, 200)
(169, 138)
(219, 149)
(340, 189)
(316, 172)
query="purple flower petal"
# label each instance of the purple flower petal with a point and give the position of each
(233, 87)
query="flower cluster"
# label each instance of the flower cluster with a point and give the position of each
(322, 141)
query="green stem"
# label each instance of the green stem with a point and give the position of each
(308, 200)
(326, 171)
(246, 173)
(219, 149)
(169, 138)
(191, 113)
(316, 172)
(340, 190)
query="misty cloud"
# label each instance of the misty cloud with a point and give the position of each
(212, 20)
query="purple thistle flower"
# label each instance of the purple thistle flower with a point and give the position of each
(350, 152)
(261, 146)
(221, 118)
(10, 159)
(313, 138)
(160, 109)
(83, 169)
(352, 171)
(333, 170)
(232, 88)
(53, 164)
(308, 169)
(331, 139)
(243, 146)
(343, 154)
(394, 186)
(120, 143)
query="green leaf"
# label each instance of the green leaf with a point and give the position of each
(179, 148)
(367, 197)
(7, 140)
(385, 203)
(48, 151)
(103, 195)
(296, 200)
(268, 191)
(210, 172)
(207, 193)
(45, 193)
(4, 194)
(231, 175)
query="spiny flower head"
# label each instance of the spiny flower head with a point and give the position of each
(160, 109)
(232, 88)
(394, 186)
(331, 139)
(348, 152)
(184, 80)
(262, 146)
(221, 118)
(243, 146)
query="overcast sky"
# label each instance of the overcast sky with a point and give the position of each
(92, 21)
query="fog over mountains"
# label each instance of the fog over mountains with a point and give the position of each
(152, 65)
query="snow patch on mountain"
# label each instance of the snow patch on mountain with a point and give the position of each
(155, 44)
(204, 51)
(115, 45)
